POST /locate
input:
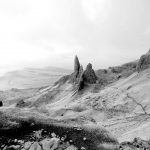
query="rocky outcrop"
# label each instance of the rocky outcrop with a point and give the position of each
(144, 62)
(81, 77)
(50, 144)
(76, 66)
(35, 146)
(89, 75)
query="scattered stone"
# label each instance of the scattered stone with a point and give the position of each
(15, 140)
(27, 145)
(50, 144)
(14, 147)
(35, 146)
(53, 135)
(71, 148)
(63, 138)
(2, 146)
(137, 140)
(5, 148)
(70, 141)
(32, 124)
(21, 141)
(38, 134)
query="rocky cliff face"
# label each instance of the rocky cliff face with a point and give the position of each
(144, 62)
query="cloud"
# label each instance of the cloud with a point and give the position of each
(50, 32)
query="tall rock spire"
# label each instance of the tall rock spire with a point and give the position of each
(76, 66)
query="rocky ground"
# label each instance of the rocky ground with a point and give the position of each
(33, 136)
(45, 139)
(37, 140)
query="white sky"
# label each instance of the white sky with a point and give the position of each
(38, 33)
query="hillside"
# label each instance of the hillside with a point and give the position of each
(116, 99)
(31, 78)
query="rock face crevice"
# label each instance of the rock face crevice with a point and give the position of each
(144, 62)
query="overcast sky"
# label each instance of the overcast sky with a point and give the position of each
(38, 33)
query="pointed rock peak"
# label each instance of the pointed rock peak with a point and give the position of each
(89, 66)
(89, 74)
(144, 62)
(76, 65)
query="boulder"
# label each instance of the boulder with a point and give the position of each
(38, 134)
(71, 147)
(144, 62)
(1, 103)
(50, 144)
(27, 145)
(89, 75)
(13, 147)
(35, 146)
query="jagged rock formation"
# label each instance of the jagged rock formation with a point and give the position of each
(89, 75)
(144, 62)
(80, 77)
(76, 66)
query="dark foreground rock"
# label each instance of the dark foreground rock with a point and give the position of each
(136, 144)
(37, 136)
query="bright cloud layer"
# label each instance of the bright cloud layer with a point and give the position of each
(35, 33)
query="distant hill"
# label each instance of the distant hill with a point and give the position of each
(31, 78)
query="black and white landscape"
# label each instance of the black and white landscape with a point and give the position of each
(75, 75)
